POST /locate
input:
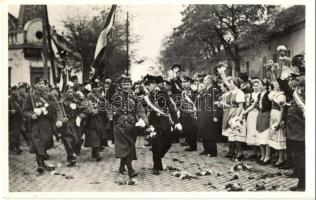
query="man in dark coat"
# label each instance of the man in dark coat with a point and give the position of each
(187, 118)
(210, 117)
(95, 121)
(162, 116)
(70, 131)
(127, 113)
(15, 120)
(44, 110)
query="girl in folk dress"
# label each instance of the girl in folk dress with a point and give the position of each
(277, 138)
(225, 103)
(252, 114)
(263, 124)
(236, 136)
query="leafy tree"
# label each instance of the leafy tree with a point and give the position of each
(83, 31)
(221, 30)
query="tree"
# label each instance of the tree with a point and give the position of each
(83, 31)
(221, 30)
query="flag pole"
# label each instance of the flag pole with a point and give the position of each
(49, 45)
(127, 45)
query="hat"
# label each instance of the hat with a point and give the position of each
(176, 65)
(126, 79)
(94, 84)
(37, 79)
(243, 76)
(109, 81)
(149, 79)
(13, 88)
(158, 79)
(74, 78)
(188, 79)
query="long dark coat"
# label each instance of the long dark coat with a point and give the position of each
(15, 120)
(41, 138)
(70, 131)
(95, 123)
(126, 110)
(208, 129)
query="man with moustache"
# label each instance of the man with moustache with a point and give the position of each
(45, 112)
(128, 115)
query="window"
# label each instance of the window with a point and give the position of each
(247, 67)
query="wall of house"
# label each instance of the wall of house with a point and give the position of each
(261, 53)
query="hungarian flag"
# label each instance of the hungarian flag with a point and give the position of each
(97, 67)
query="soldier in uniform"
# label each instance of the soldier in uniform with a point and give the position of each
(187, 116)
(15, 120)
(94, 122)
(70, 131)
(45, 112)
(24, 90)
(162, 116)
(128, 114)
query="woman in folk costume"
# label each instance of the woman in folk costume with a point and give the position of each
(277, 138)
(71, 125)
(252, 113)
(128, 115)
(236, 133)
(225, 102)
(42, 107)
(263, 124)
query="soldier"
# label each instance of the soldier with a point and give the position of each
(24, 90)
(15, 120)
(42, 107)
(128, 114)
(94, 122)
(70, 131)
(209, 117)
(162, 116)
(187, 116)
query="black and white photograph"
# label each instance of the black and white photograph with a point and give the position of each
(115, 97)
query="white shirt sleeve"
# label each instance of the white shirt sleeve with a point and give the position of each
(240, 97)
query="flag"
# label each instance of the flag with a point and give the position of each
(61, 82)
(100, 50)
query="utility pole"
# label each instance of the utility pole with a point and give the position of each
(127, 46)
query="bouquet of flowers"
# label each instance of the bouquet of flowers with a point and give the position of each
(151, 133)
(89, 107)
(271, 65)
(40, 108)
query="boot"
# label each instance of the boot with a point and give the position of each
(160, 167)
(131, 172)
(156, 167)
(42, 166)
(122, 169)
(96, 154)
(71, 159)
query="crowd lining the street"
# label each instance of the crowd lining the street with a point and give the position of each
(263, 116)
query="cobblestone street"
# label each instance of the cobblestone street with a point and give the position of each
(92, 176)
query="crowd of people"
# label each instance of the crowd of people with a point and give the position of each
(265, 117)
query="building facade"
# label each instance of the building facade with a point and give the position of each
(292, 35)
(25, 45)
